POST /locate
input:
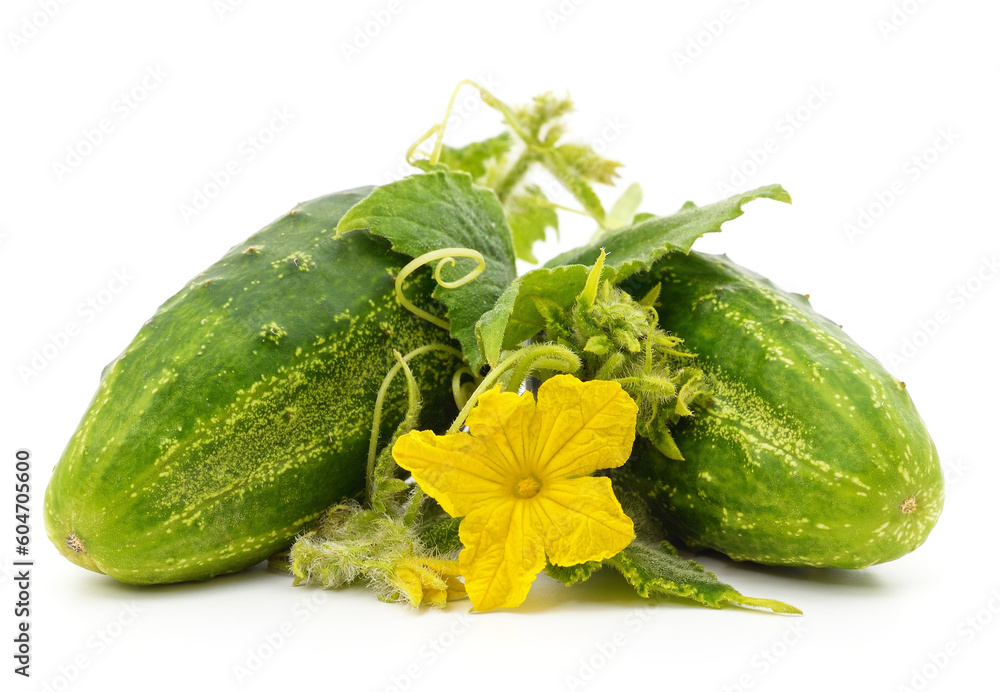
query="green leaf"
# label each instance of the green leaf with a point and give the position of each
(437, 210)
(623, 211)
(441, 535)
(540, 127)
(572, 574)
(516, 316)
(657, 569)
(652, 566)
(529, 215)
(637, 247)
(475, 158)
(568, 173)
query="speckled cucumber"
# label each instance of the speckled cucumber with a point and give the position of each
(810, 453)
(243, 408)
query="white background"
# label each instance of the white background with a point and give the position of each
(680, 128)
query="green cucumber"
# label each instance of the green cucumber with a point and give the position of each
(810, 453)
(244, 407)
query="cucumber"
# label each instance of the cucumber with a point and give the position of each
(244, 407)
(809, 453)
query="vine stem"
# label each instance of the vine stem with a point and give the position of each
(439, 128)
(401, 362)
(551, 356)
(412, 512)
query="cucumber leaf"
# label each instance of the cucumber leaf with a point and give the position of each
(437, 210)
(534, 138)
(638, 246)
(529, 215)
(657, 569)
(624, 210)
(540, 126)
(475, 158)
(441, 535)
(573, 574)
(517, 315)
(653, 567)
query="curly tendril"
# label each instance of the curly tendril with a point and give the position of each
(458, 390)
(447, 254)
(435, 155)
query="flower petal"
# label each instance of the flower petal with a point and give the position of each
(503, 554)
(580, 427)
(408, 581)
(457, 470)
(450, 573)
(583, 520)
(505, 423)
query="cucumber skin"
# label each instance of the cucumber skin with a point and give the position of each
(244, 407)
(809, 450)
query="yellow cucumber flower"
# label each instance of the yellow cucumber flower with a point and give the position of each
(520, 478)
(427, 581)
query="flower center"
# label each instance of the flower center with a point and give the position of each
(527, 487)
